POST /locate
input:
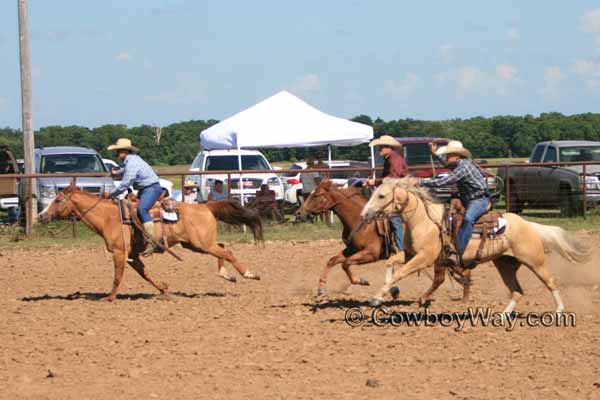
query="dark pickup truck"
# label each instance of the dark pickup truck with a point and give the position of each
(552, 185)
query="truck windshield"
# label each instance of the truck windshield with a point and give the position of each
(249, 162)
(417, 153)
(583, 153)
(65, 163)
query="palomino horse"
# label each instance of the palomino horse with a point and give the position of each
(363, 243)
(523, 243)
(196, 230)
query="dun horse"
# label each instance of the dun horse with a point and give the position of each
(364, 244)
(196, 230)
(523, 243)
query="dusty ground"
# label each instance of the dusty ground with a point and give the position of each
(261, 339)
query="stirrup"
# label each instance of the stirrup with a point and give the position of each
(149, 250)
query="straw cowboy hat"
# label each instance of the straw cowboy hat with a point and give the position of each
(385, 140)
(454, 147)
(123, 144)
(189, 184)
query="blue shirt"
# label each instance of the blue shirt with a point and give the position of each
(136, 172)
(216, 196)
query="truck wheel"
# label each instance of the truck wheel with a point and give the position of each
(515, 206)
(567, 203)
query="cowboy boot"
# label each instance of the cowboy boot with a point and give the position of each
(149, 228)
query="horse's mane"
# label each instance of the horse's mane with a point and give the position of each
(351, 192)
(409, 184)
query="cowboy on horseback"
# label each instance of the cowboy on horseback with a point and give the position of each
(394, 166)
(472, 190)
(140, 174)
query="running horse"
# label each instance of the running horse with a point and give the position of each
(195, 229)
(522, 243)
(364, 241)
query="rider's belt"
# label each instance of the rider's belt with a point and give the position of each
(148, 186)
(476, 195)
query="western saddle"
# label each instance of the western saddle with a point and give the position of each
(486, 227)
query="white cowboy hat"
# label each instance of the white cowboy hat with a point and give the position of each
(188, 184)
(454, 147)
(385, 140)
(123, 144)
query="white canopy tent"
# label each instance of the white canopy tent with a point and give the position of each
(284, 120)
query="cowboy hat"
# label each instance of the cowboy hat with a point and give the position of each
(188, 184)
(385, 140)
(123, 144)
(454, 147)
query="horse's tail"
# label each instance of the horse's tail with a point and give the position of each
(234, 214)
(558, 239)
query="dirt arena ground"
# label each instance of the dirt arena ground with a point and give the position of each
(261, 339)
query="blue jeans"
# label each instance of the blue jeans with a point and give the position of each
(474, 210)
(396, 222)
(148, 197)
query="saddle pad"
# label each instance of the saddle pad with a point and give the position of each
(496, 231)
(169, 216)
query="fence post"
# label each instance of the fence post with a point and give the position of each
(584, 191)
(182, 185)
(506, 188)
(74, 220)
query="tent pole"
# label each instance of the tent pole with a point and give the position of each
(372, 159)
(240, 182)
(329, 154)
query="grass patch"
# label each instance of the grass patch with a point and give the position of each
(60, 233)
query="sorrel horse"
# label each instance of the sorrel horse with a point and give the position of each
(523, 243)
(365, 245)
(196, 230)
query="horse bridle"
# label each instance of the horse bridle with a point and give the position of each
(392, 202)
(80, 214)
(332, 204)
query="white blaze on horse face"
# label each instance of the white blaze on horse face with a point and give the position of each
(380, 202)
(45, 210)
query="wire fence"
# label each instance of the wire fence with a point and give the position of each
(565, 189)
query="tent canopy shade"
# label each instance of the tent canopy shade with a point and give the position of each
(283, 120)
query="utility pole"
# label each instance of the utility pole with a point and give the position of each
(27, 117)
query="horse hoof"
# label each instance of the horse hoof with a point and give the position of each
(394, 292)
(108, 299)
(321, 292)
(250, 275)
(375, 302)
(363, 282)
(229, 278)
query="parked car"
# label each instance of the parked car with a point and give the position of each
(552, 186)
(9, 191)
(293, 184)
(62, 160)
(227, 160)
(425, 167)
(110, 164)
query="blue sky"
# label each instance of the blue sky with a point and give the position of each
(159, 62)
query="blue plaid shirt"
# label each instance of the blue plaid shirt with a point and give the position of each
(468, 178)
(136, 172)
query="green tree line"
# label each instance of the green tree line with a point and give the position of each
(501, 136)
